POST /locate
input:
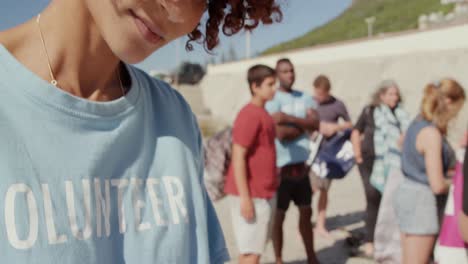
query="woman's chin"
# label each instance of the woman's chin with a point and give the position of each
(133, 56)
(131, 51)
(137, 52)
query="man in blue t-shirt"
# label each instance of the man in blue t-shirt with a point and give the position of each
(295, 117)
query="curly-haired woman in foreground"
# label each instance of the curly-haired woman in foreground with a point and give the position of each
(100, 163)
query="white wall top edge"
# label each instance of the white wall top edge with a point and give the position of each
(455, 37)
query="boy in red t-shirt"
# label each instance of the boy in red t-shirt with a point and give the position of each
(251, 181)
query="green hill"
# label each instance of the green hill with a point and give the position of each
(391, 16)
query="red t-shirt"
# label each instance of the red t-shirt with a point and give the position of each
(254, 129)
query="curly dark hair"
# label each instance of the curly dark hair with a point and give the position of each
(232, 16)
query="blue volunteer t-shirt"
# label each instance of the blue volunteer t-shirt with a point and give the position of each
(101, 182)
(296, 104)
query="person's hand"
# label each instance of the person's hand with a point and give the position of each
(329, 129)
(400, 142)
(358, 159)
(247, 209)
(450, 173)
(280, 117)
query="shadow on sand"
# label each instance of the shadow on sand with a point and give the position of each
(339, 252)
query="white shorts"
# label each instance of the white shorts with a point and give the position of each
(251, 237)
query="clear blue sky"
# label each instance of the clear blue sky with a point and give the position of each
(300, 16)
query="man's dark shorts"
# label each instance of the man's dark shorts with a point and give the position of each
(294, 186)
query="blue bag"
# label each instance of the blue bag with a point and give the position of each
(335, 157)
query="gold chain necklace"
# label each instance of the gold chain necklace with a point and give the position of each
(51, 73)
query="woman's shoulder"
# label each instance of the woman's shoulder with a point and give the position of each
(430, 134)
(419, 123)
(168, 108)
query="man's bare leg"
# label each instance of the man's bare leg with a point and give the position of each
(306, 230)
(320, 227)
(278, 235)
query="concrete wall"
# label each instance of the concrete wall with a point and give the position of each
(412, 59)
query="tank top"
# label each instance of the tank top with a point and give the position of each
(412, 161)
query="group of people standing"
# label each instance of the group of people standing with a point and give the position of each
(269, 170)
(405, 167)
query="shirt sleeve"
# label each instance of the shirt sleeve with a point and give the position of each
(344, 112)
(362, 121)
(310, 103)
(273, 106)
(245, 130)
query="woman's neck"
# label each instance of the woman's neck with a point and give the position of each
(80, 59)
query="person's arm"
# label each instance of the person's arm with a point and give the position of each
(329, 129)
(285, 131)
(288, 133)
(345, 125)
(290, 127)
(310, 123)
(356, 141)
(343, 113)
(244, 136)
(430, 141)
(357, 133)
(239, 161)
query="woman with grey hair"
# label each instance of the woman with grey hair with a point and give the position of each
(376, 138)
